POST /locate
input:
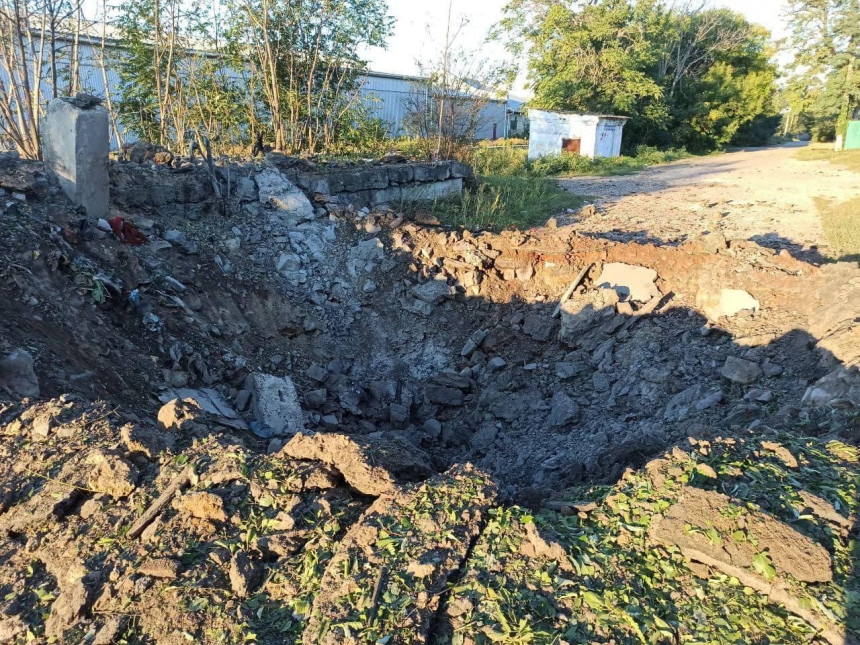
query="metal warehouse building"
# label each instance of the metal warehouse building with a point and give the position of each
(385, 96)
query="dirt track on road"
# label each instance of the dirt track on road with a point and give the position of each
(764, 194)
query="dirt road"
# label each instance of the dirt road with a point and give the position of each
(764, 194)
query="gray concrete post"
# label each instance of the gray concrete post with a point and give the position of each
(75, 144)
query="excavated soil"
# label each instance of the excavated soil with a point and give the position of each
(252, 406)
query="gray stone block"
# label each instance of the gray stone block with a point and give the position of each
(460, 170)
(391, 195)
(423, 172)
(400, 173)
(75, 144)
(432, 191)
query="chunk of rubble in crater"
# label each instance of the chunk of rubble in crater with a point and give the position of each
(277, 191)
(275, 405)
(583, 312)
(630, 281)
(691, 401)
(111, 474)
(740, 370)
(717, 303)
(373, 465)
(17, 375)
(838, 389)
(182, 405)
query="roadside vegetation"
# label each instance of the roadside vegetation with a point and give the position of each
(506, 202)
(513, 161)
(840, 220)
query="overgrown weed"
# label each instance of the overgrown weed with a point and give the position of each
(500, 202)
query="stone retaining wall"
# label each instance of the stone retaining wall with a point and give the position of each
(188, 190)
(393, 184)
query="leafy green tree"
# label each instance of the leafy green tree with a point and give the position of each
(700, 78)
(825, 41)
(302, 60)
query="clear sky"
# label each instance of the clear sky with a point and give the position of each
(420, 27)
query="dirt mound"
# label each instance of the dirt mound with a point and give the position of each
(262, 377)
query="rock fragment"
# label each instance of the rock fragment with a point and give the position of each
(17, 375)
(201, 505)
(111, 474)
(716, 303)
(631, 282)
(275, 405)
(165, 568)
(694, 399)
(371, 465)
(245, 578)
(564, 410)
(740, 370)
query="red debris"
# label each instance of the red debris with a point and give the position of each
(127, 232)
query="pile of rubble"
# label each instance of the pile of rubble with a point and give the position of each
(308, 356)
(542, 356)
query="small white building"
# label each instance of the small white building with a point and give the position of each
(590, 135)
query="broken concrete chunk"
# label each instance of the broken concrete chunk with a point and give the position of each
(444, 395)
(740, 370)
(364, 255)
(278, 191)
(17, 375)
(538, 326)
(315, 398)
(564, 410)
(433, 291)
(838, 389)
(496, 363)
(182, 405)
(276, 405)
(631, 282)
(371, 465)
(583, 312)
(317, 373)
(716, 303)
(692, 400)
(75, 145)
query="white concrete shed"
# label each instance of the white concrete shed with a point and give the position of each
(591, 135)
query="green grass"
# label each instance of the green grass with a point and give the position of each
(504, 202)
(513, 161)
(848, 158)
(840, 220)
(841, 223)
(515, 193)
(608, 582)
